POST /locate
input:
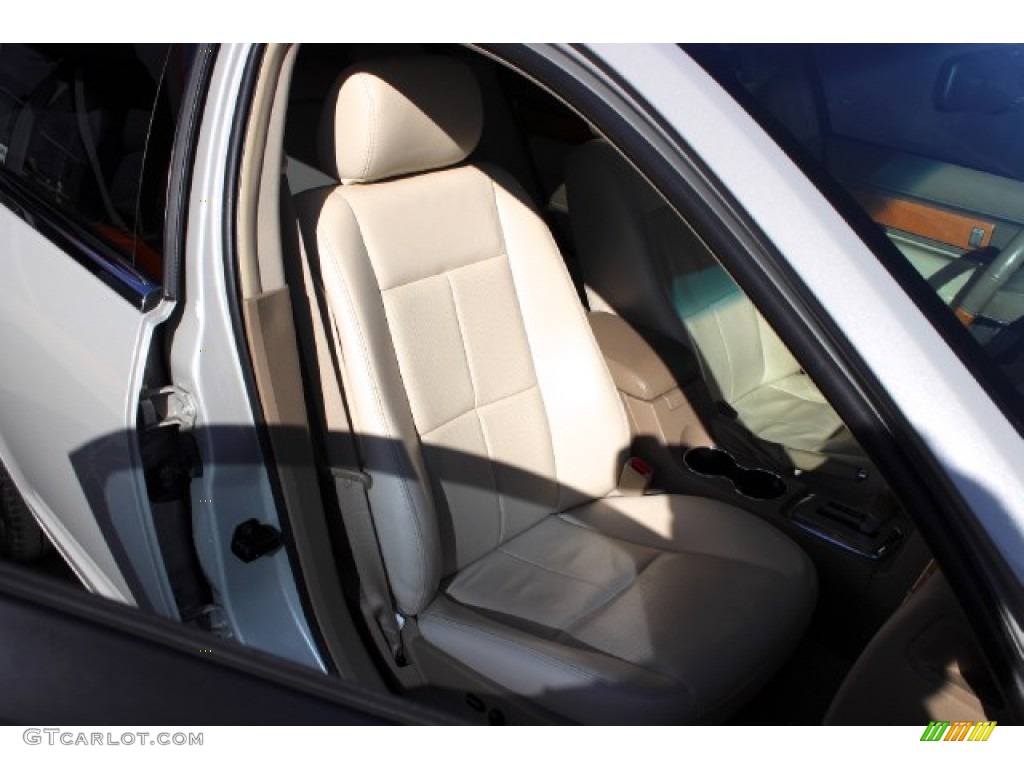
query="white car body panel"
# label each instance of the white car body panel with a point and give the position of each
(73, 393)
(952, 413)
(260, 598)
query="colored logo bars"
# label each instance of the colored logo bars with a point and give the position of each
(960, 730)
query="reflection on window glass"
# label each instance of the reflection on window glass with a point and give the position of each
(89, 128)
(929, 141)
(892, 95)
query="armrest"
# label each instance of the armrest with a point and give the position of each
(636, 368)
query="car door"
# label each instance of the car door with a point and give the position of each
(71, 400)
(896, 368)
(86, 138)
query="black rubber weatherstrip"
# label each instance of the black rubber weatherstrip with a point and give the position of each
(179, 184)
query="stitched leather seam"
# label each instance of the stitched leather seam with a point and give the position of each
(462, 339)
(762, 327)
(476, 413)
(762, 424)
(610, 596)
(445, 272)
(812, 400)
(733, 386)
(401, 459)
(588, 339)
(551, 437)
(520, 558)
(679, 549)
(456, 417)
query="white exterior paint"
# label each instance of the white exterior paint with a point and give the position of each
(72, 353)
(260, 598)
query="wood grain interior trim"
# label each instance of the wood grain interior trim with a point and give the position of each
(924, 220)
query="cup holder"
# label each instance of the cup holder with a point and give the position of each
(760, 484)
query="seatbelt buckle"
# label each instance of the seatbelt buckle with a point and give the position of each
(636, 477)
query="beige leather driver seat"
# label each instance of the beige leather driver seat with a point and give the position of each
(640, 258)
(494, 436)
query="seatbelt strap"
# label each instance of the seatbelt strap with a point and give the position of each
(351, 484)
(351, 488)
(973, 260)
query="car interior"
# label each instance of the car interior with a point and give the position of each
(566, 471)
(947, 199)
(541, 459)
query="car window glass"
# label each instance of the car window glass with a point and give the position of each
(926, 140)
(89, 129)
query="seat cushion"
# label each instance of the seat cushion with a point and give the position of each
(790, 411)
(654, 609)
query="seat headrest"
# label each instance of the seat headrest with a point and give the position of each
(392, 117)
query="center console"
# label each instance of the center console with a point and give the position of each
(862, 542)
(869, 530)
(672, 438)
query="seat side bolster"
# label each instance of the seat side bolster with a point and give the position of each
(381, 418)
(575, 383)
(778, 360)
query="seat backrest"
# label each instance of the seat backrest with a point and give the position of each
(649, 266)
(473, 381)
